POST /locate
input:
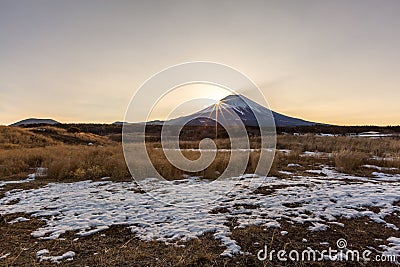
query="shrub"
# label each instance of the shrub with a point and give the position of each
(349, 161)
(73, 129)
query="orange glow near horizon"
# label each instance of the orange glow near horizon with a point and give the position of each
(83, 61)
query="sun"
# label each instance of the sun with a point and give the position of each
(213, 92)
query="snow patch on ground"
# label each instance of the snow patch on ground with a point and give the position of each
(385, 158)
(386, 177)
(42, 252)
(379, 168)
(292, 165)
(5, 255)
(89, 207)
(393, 249)
(17, 220)
(54, 259)
(31, 177)
(316, 154)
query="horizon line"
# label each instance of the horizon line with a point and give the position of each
(320, 124)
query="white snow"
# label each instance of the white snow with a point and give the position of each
(386, 177)
(42, 252)
(315, 171)
(41, 172)
(292, 165)
(54, 259)
(316, 226)
(17, 220)
(88, 207)
(316, 154)
(337, 223)
(5, 255)
(237, 109)
(379, 168)
(393, 249)
(31, 177)
(385, 158)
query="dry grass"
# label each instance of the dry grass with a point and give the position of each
(349, 154)
(14, 137)
(379, 147)
(66, 162)
(113, 247)
(21, 150)
(360, 234)
(118, 246)
(348, 161)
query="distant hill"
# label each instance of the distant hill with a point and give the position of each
(119, 122)
(33, 121)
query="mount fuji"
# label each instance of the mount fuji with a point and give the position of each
(235, 109)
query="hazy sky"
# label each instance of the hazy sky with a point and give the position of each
(80, 61)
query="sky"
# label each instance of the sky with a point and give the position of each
(334, 62)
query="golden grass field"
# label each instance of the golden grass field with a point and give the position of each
(68, 158)
(22, 150)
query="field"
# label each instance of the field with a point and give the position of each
(86, 210)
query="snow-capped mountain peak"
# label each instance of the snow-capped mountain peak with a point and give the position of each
(235, 109)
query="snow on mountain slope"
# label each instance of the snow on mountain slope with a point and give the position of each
(32, 121)
(235, 109)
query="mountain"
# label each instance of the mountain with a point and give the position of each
(235, 109)
(119, 122)
(32, 121)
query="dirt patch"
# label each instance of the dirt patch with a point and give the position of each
(292, 205)
(361, 234)
(219, 210)
(270, 189)
(117, 246)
